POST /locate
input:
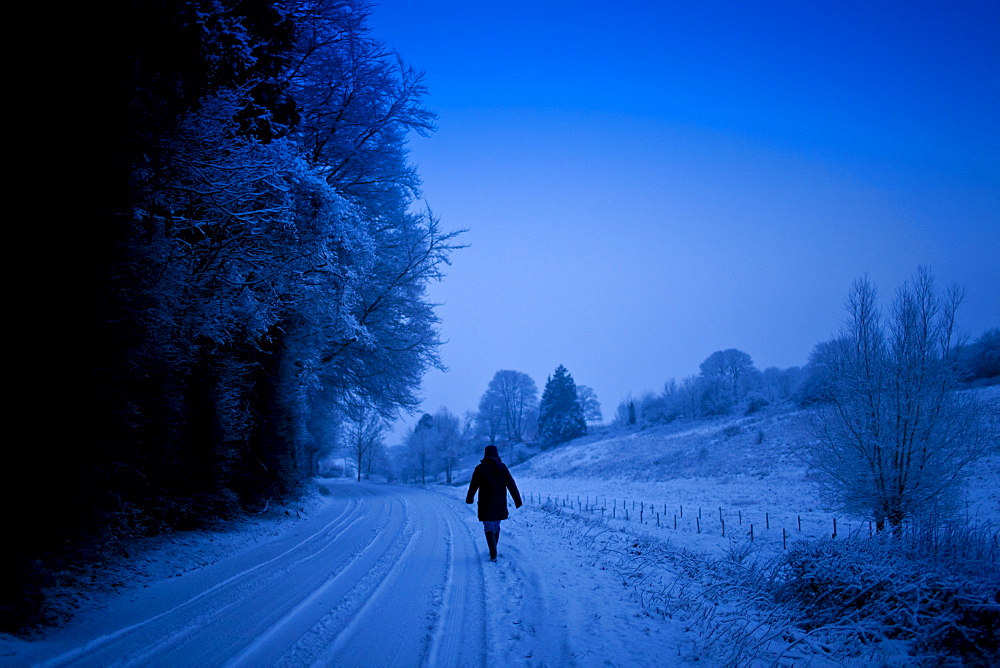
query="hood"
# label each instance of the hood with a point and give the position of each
(491, 455)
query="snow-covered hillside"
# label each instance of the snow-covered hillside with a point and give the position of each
(751, 467)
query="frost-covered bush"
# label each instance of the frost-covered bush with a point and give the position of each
(937, 591)
(755, 404)
(896, 436)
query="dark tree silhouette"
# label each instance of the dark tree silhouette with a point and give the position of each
(560, 417)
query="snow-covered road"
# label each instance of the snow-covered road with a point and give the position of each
(377, 575)
(380, 576)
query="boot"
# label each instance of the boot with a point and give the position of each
(491, 540)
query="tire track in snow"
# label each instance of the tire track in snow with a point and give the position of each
(444, 611)
(424, 597)
(459, 636)
(223, 613)
(310, 611)
(242, 614)
(79, 653)
(386, 576)
(358, 620)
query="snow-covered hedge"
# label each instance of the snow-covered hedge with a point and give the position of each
(937, 591)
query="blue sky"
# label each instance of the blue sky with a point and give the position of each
(645, 183)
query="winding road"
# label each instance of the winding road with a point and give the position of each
(382, 575)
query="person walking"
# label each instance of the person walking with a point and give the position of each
(492, 479)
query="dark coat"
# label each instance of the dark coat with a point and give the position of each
(492, 479)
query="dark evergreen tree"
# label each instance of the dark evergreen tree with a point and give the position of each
(560, 415)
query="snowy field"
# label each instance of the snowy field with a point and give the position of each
(693, 483)
(592, 571)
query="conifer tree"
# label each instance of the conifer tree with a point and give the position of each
(560, 415)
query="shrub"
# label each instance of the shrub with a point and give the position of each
(935, 590)
(755, 404)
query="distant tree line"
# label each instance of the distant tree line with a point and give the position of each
(510, 416)
(253, 276)
(730, 383)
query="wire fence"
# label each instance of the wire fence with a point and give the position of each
(719, 520)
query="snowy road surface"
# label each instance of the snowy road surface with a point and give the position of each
(380, 575)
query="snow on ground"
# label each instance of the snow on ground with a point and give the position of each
(551, 604)
(140, 564)
(375, 574)
(731, 471)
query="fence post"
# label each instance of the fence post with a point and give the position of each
(767, 521)
(751, 532)
(697, 522)
(723, 528)
(834, 527)
(783, 546)
(675, 521)
(800, 523)
(657, 519)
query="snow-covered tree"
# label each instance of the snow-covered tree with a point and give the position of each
(363, 430)
(419, 452)
(357, 101)
(260, 263)
(896, 434)
(560, 417)
(489, 417)
(447, 442)
(780, 384)
(509, 407)
(732, 366)
(589, 404)
(983, 356)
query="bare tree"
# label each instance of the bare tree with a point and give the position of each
(895, 433)
(420, 446)
(510, 406)
(447, 441)
(589, 404)
(363, 433)
(489, 418)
